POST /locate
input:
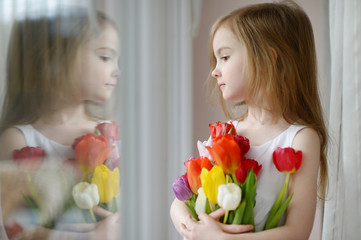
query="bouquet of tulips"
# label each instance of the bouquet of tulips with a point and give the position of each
(98, 162)
(223, 177)
(96, 159)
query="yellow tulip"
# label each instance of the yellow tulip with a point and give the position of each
(211, 180)
(107, 182)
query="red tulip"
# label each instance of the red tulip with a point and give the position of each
(76, 141)
(29, 158)
(13, 229)
(226, 153)
(194, 168)
(287, 160)
(243, 143)
(247, 164)
(109, 130)
(219, 129)
(91, 151)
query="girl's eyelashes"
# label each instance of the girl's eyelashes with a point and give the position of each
(105, 58)
(225, 58)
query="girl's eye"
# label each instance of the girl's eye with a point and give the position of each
(225, 58)
(105, 58)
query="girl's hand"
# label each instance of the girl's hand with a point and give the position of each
(209, 227)
(107, 228)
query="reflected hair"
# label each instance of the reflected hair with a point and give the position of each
(40, 62)
(282, 67)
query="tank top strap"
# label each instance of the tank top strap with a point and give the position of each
(29, 134)
(292, 131)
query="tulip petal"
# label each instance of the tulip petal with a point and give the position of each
(229, 196)
(211, 180)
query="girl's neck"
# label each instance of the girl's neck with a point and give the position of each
(260, 116)
(263, 117)
(71, 114)
(261, 126)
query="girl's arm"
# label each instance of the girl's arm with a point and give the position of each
(300, 211)
(108, 229)
(11, 139)
(179, 213)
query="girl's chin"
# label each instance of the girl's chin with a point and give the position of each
(231, 98)
(102, 98)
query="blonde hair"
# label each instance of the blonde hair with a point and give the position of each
(282, 66)
(40, 63)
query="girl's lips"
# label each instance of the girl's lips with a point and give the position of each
(111, 85)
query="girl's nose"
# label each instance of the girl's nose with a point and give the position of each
(116, 72)
(216, 73)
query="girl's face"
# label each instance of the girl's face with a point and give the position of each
(99, 68)
(231, 59)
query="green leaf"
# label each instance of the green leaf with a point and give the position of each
(191, 209)
(97, 132)
(278, 215)
(231, 217)
(239, 212)
(279, 200)
(208, 207)
(30, 202)
(251, 185)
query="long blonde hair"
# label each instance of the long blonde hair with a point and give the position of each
(282, 66)
(40, 63)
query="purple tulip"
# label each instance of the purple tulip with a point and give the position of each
(181, 188)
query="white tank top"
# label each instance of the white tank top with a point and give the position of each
(53, 150)
(269, 180)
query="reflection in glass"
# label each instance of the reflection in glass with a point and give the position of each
(61, 65)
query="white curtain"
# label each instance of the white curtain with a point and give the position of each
(342, 214)
(156, 110)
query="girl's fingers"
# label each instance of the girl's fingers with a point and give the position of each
(184, 231)
(101, 212)
(76, 227)
(189, 222)
(217, 214)
(234, 228)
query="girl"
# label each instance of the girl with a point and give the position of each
(59, 66)
(263, 57)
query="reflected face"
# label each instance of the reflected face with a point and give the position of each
(231, 59)
(99, 68)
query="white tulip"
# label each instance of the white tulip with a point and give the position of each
(200, 202)
(203, 151)
(85, 195)
(229, 196)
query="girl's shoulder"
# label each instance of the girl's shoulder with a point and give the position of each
(305, 138)
(10, 139)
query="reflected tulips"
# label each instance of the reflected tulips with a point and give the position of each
(107, 182)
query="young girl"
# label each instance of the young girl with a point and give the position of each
(58, 67)
(263, 56)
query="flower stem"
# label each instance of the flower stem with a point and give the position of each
(83, 177)
(34, 193)
(92, 215)
(234, 177)
(228, 178)
(225, 217)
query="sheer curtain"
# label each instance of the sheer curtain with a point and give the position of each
(342, 215)
(156, 87)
